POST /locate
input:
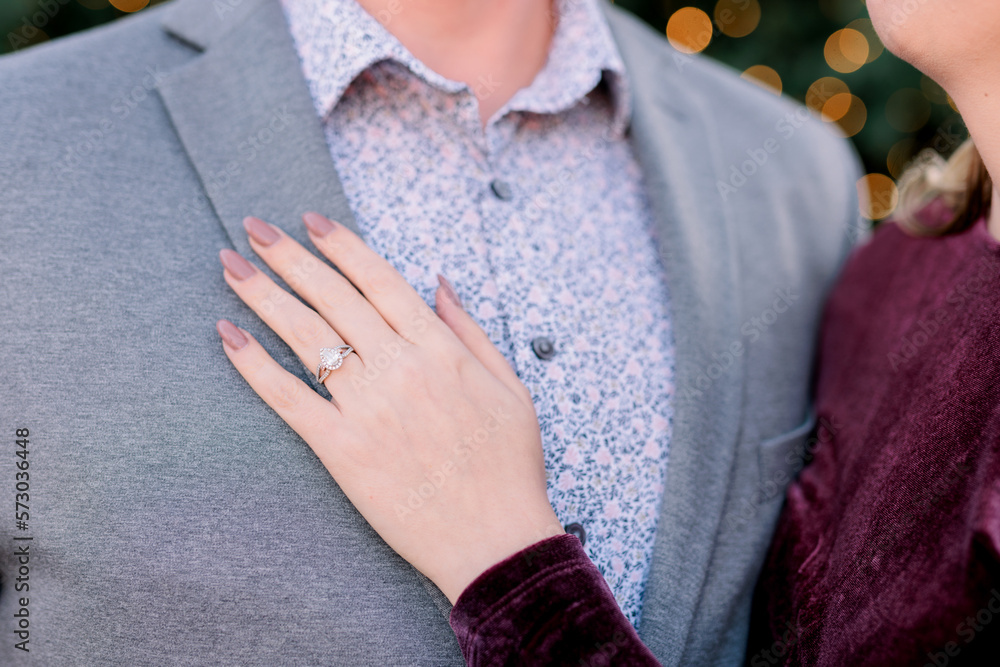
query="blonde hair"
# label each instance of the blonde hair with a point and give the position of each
(961, 184)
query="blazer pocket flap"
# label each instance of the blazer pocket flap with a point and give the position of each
(782, 457)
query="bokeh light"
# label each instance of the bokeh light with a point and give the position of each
(878, 196)
(848, 111)
(689, 30)
(737, 18)
(763, 76)
(822, 91)
(846, 51)
(129, 5)
(837, 107)
(875, 47)
(832, 99)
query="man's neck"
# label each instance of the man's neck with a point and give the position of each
(496, 47)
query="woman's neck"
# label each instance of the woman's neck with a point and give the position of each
(978, 100)
(496, 47)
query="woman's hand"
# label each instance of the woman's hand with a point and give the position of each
(429, 432)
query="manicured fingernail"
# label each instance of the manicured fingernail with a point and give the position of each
(231, 335)
(260, 231)
(318, 225)
(236, 265)
(449, 291)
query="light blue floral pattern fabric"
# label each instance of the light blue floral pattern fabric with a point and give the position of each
(541, 222)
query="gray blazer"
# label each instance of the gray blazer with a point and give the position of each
(175, 519)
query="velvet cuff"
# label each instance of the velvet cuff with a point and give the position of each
(545, 605)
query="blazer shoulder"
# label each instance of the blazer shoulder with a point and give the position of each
(74, 91)
(781, 170)
(80, 59)
(736, 112)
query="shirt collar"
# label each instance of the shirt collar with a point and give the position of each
(337, 40)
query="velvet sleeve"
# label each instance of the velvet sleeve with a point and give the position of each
(545, 605)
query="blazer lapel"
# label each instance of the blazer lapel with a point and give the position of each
(246, 118)
(677, 155)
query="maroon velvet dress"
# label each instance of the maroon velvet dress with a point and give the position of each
(888, 548)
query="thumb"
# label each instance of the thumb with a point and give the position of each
(450, 310)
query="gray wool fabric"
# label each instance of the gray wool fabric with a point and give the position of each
(175, 519)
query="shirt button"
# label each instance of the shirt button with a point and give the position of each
(502, 189)
(576, 529)
(543, 348)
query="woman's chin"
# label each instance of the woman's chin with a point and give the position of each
(930, 34)
(905, 28)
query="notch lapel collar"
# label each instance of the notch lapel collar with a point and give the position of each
(244, 114)
(246, 118)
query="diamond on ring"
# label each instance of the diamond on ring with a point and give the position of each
(330, 359)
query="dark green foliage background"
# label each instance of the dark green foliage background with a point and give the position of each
(790, 38)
